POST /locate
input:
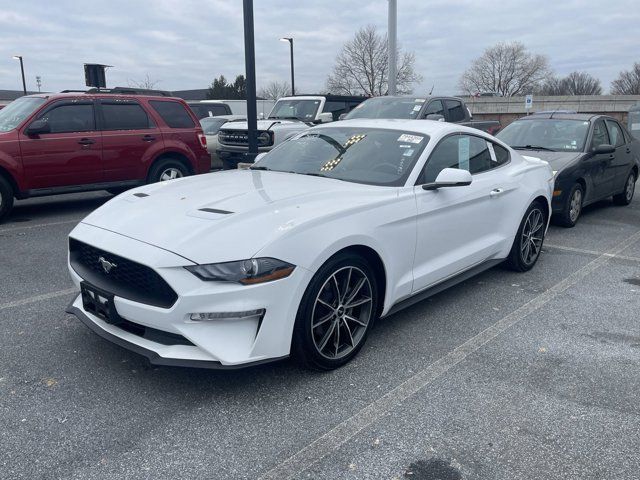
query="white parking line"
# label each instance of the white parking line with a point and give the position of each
(591, 252)
(38, 225)
(334, 438)
(37, 298)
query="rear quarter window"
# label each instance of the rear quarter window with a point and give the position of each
(174, 114)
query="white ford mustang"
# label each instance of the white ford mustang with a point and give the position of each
(300, 254)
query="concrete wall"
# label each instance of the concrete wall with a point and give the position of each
(507, 109)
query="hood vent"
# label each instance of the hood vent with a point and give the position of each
(215, 210)
(141, 195)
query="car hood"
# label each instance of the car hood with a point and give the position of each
(231, 215)
(557, 160)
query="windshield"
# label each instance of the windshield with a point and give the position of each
(388, 107)
(547, 133)
(13, 114)
(304, 110)
(211, 125)
(372, 156)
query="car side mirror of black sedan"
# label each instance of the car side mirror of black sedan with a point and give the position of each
(604, 149)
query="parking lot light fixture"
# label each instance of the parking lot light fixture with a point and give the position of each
(290, 40)
(24, 83)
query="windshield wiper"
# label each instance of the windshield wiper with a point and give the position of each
(533, 147)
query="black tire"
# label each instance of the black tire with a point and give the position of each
(534, 219)
(322, 306)
(6, 197)
(161, 167)
(624, 198)
(569, 217)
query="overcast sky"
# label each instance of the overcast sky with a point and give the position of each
(184, 44)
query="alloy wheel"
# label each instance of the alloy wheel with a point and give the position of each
(532, 236)
(341, 313)
(575, 206)
(170, 173)
(630, 188)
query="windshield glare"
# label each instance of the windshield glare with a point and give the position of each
(304, 110)
(388, 107)
(14, 114)
(551, 133)
(362, 155)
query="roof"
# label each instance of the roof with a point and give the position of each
(196, 94)
(427, 127)
(585, 117)
(80, 94)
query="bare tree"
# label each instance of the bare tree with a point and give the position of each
(576, 83)
(506, 68)
(146, 83)
(628, 82)
(362, 66)
(275, 90)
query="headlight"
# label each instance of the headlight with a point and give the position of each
(247, 272)
(265, 139)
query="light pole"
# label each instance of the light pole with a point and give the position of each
(290, 40)
(391, 34)
(24, 83)
(250, 70)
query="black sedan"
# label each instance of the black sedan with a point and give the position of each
(593, 157)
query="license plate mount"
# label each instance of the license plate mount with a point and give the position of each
(99, 303)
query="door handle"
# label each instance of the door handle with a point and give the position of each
(86, 141)
(628, 150)
(148, 138)
(496, 192)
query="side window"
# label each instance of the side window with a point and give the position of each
(124, 116)
(600, 135)
(77, 117)
(173, 113)
(434, 107)
(456, 111)
(467, 152)
(336, 109)
(615, 133)
(218, 110)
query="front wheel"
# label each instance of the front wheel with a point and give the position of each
(527, 245)
(572, 207)
(6, 197)
(336, 313)
(626, 196)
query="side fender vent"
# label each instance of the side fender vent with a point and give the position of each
(215, 210)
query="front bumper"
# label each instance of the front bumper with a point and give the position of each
(223, 343)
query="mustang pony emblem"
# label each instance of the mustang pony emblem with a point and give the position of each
(106, 264)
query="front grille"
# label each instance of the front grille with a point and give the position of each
(241, 137)
(126, 278)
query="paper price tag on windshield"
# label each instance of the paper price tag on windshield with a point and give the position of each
(405, 137)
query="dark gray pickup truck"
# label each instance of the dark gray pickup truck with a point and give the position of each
(449, 109)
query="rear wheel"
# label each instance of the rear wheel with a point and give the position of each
(527, 245)
(336, 313)
(6, 197)
(572, 208)
(167, 169)
(626, 196)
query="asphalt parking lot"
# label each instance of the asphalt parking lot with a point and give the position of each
(506, 376)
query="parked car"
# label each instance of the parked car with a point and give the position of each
(445, 109)
(339, 225)
(290, 115)
(73, 142)
(209, 109)
(210, 127)
(593, 157)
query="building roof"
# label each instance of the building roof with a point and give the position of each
(197, 94)
(10, 95)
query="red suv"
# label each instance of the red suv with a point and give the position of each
(72, 142)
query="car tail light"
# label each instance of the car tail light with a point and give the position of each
(203, 139)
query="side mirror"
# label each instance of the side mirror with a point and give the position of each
(324, 117)
(436, 117)
(450, 177)
(604, 149)
(342, 115)
(38, 127)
